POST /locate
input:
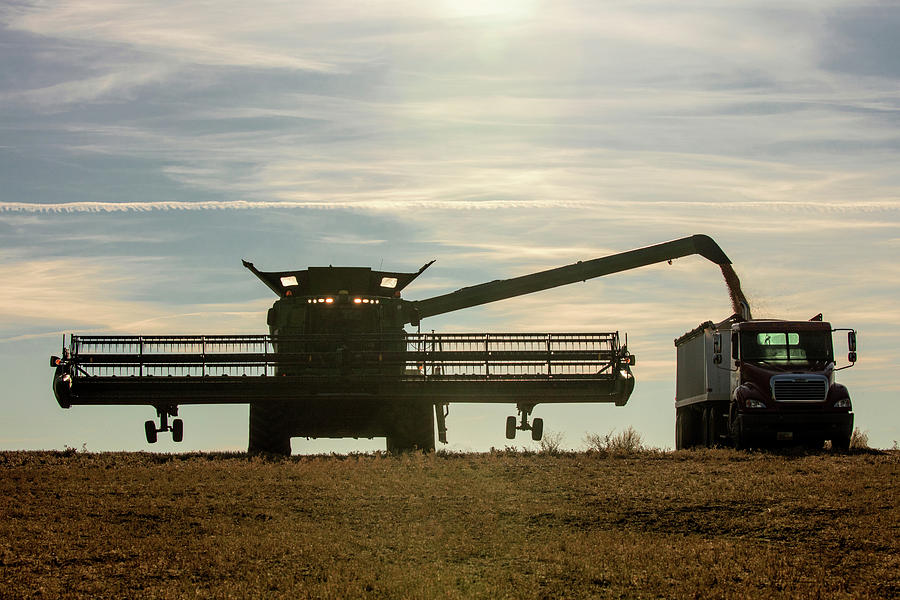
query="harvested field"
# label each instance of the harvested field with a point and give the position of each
(690, 524)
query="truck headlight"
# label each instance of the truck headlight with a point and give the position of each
(843, 403)
(754, 403)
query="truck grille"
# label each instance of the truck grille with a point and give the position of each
(799, 388)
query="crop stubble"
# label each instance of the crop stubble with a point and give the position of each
(712, 523)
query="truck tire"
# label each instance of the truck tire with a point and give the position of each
(841, 442)
(814, 444)
(679, 429)
(736, 431)
(411, 429)
(268, 431)
(691, 432)
(712, 416)
(706, 440)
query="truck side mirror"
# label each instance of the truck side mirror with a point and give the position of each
(851, 356)
(734, 345)
(851, 341)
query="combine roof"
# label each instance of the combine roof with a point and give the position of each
(331, 280)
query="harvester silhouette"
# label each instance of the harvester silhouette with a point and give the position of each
(338, 361)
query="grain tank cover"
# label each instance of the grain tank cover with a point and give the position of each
(331, 280)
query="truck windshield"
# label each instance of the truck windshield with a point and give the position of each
(787, 347)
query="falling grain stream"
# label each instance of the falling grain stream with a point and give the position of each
(738, 300)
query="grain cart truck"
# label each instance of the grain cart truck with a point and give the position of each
(751, 382)
(338, 362)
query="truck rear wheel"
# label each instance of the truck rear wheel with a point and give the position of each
(411, 429)
(679, 429)
(703, 431)
(268, 432)
(713, 417)
(687, 428)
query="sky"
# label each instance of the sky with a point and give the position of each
(147, 147)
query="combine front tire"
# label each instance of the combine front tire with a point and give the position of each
(411, 429)
(268, 431)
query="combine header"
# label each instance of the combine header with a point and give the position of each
(338, 362)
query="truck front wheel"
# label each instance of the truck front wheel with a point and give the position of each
(841, 442)
(736, 430)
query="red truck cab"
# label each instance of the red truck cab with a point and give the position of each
(783, 384)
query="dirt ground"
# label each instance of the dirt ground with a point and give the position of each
(689, 524)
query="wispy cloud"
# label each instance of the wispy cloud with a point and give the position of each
(48, 296)
(257, 38)
(515, 120)
(117, 85)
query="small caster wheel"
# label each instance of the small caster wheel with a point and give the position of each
(510, 428)
(150, 430)
(177, 430)
(537, 429)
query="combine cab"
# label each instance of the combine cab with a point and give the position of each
(338, 361)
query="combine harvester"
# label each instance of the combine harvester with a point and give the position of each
(338, 362)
